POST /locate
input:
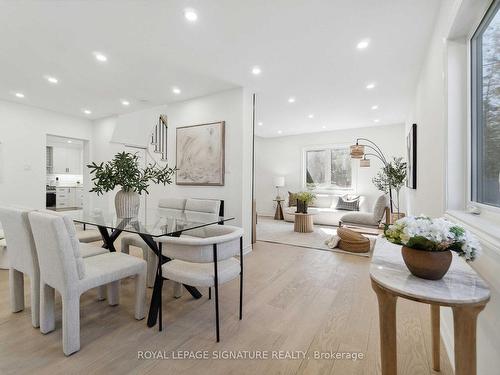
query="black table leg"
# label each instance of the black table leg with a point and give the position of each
(109, 239)
(155, 300)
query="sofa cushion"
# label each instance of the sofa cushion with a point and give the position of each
(322, 200)
(344, 203)
(292, 199)
(379, 208)
(360, 218)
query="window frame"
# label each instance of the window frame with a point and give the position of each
(339, 191)
(475, 132)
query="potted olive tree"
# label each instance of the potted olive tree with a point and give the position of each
(392, 176)
(124, 171)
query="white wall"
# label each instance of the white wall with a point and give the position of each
(439, 109)
(226, 106)
(283, 156)
(23, 131)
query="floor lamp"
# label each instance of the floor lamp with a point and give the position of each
(358, 151)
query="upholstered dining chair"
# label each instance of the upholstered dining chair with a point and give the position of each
(204, 258)
(62, 268)
(170, 206)
(23, 260)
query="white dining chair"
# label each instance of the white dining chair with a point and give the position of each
(204, 257)
(23, 260)
(169, 206)
(62, 268)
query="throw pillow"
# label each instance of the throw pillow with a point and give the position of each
(292, 199)
(348, 205)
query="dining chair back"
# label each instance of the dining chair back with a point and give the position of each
(23, 259)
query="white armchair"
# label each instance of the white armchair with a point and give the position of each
(62, 268)
(204, 258)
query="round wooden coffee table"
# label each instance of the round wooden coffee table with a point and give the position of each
(303, 223)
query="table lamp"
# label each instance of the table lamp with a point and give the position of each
(279, 181)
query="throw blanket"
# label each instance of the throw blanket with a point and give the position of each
(333, 241)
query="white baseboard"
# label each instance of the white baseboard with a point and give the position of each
(248, 249)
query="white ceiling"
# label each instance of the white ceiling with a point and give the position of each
(306, 49)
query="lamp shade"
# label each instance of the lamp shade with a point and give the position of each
(357, 151)
(279, 181)
(363, 163)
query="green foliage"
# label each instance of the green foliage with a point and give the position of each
(124, 171)
(391, 176)
(306, 197)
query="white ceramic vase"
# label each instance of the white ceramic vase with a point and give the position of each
(127, 204)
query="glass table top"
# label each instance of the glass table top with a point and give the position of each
(156, 222)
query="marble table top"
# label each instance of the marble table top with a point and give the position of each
(461, 285)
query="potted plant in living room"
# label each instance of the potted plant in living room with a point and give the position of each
(428, 243)
(124, 171)
(304, 199)
(392, 177)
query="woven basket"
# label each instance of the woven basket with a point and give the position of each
(352, 241)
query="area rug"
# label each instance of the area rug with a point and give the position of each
(279, 231)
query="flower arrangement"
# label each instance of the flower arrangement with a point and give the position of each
(439, 234)
(306, 197)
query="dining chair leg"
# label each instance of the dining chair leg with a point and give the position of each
(241, 278)
(160, 312)
(209, 293)
(216, 287)
(16, 289)
(160, 299)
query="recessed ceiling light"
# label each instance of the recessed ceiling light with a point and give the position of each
(310, 115)
(190, 15)
(374, 107)
(291, 99)
(370, 86)
(376, 120)
(323, 127)
(70, 141)
(100, 57)
(125, 103)
(280, 131)
(256, 70)
(363, 44)
(176, 90)
(19, 94)
(260, 123)
(52, 80)
(87, 111)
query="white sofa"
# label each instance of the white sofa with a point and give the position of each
(324, 210)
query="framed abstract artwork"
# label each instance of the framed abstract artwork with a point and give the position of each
(200, 154)
(411, 155)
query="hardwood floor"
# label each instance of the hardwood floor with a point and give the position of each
(295, 299)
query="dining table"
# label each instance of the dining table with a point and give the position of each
(150, 225)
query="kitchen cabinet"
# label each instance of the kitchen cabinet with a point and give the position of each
(66, 160)
(69, 197)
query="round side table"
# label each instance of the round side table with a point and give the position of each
(303, 223)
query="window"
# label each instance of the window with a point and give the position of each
(485, 147)
(328, 168)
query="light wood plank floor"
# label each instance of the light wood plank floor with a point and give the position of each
(295, 299)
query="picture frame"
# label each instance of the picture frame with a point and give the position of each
(200, 154)
(411, 155)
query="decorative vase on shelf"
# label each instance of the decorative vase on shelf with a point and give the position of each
(127, 204)
(430, 265)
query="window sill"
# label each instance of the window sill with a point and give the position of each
(485, 226)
